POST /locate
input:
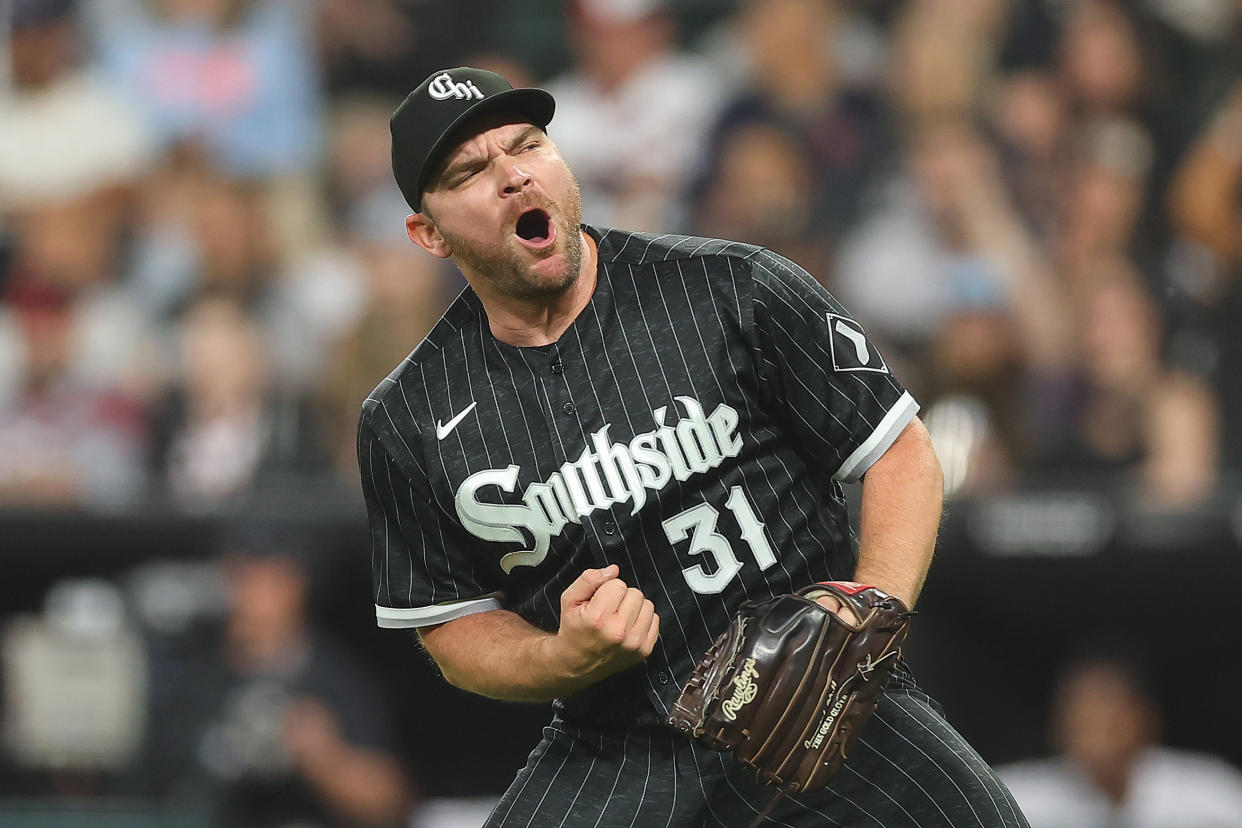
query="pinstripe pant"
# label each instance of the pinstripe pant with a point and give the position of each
(910, 769)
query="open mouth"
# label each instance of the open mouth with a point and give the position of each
(535, 229)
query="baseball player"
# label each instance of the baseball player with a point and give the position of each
(608, 443)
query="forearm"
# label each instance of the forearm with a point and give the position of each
(902, 497)
(364, 786)
(499, 655)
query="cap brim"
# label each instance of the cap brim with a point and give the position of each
(534, 104)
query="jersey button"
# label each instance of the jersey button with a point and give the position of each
(568, 408)
(558, 367)
(662, 677)
(610, 528)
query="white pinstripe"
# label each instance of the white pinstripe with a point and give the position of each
(625, 756)
(749, 414)
(947, 775)
(668, 386)
(983, 782)
(813, 535)
(465, 352)
(530, 772)
(668, 601)
(534, 452)
(847, 769)
(643, 255)
(587, 776)
(384, 514)
(708, 798)
(535, 811)
(814, 313)
(445, 551)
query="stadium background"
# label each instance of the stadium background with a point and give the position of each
(1033, 205)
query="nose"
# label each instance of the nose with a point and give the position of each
(515, 179)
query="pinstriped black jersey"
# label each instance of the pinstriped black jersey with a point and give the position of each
(691, 426)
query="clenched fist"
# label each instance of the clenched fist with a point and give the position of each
(606, 625)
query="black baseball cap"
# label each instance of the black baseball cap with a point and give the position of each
(426, 121)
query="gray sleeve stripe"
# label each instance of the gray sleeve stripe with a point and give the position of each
(399, 618)
(897, 418)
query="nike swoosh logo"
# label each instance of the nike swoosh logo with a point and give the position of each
(444, 429)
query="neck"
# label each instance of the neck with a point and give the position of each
(541, 322)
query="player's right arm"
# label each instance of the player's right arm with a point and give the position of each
(606, 626)
(423, 578)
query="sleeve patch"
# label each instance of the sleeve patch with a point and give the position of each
(851, 352)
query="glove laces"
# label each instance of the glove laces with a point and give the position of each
(767, 809)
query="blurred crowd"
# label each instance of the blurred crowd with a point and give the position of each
(1035, 206)
(1032, 204)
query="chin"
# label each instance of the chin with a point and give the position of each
(550, 282)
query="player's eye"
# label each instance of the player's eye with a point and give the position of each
(529, 146)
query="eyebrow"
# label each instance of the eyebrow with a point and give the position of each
(471, 160)
(524, 136)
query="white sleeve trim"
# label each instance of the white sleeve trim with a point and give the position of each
(897, 418)
(404, 618)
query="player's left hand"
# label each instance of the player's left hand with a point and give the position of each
(833, 604)
(787, 668)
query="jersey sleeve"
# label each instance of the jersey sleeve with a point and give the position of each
(833, 387)
(421, 572)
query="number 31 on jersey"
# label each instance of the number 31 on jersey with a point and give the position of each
(698, 523)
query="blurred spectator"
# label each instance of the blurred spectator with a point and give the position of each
(632, 114)
(1208, 264)
(206, 235)
(275, 726)
(1103, 194)
(1032, 126)
(70, 152)
(1110, 768)
(1100, 58)
(761, 188)
(68, 133)
(209, 235)
(359, 166)
(796, 99)
(946, 272)
(75, 247)
(1130, 414)
(224, 428)
(239, 76)
(63, 440)
(369, 45)
(948, 214)
(978, 386)
(943, 55)
(385, 47)
(407, 293)
(1111, 68)
(1109, 62)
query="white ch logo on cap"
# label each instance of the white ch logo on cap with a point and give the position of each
(444, 87)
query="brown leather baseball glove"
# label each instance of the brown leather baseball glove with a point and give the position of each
(788, 686)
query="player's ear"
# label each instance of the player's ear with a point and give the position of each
(422, 231)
